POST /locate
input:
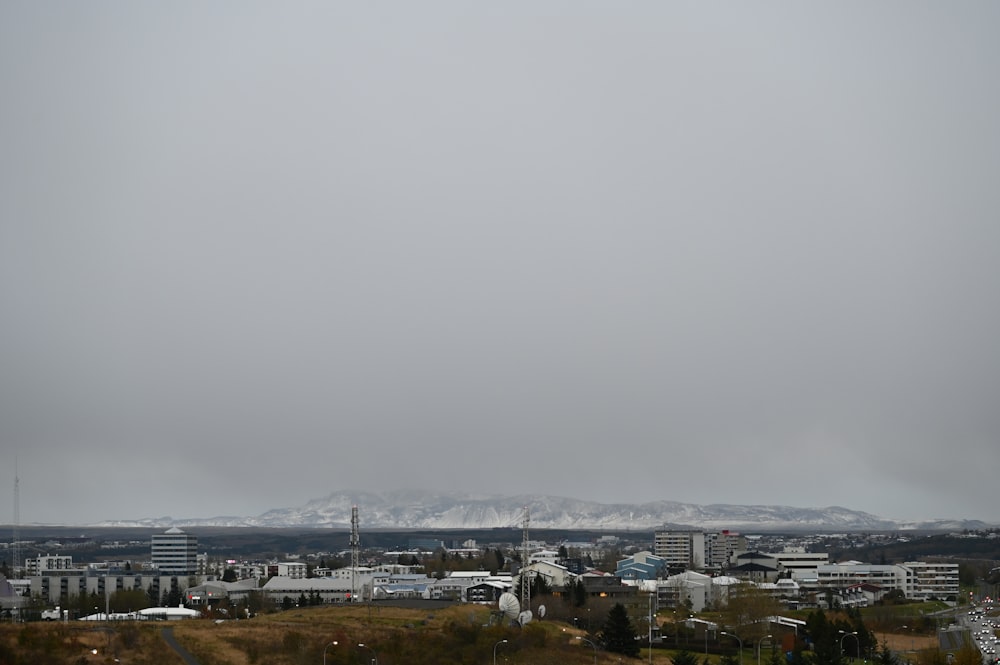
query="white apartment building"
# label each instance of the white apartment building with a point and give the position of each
(916, 579)
(933, 580)
(720, 546)
(695, 549)
(58, 588)
(294, 569)
(840, 576)
(44, 565)
(680, 548)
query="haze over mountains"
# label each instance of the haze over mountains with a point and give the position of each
(418, 509)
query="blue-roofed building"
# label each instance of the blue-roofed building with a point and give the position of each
(641, 566)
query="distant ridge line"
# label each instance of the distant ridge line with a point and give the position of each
(420, 509)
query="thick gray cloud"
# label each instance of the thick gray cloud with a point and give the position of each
(251, 254)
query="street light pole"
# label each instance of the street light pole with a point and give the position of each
(374, 655)
(584, 639)
(650, 643)
(495, 650)
(331, 644)
(912, 641)
(759, 643)
(737, 637)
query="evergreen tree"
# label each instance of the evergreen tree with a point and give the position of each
(684, 657)
(825, 638)
(776, 657)
(885, 656)
(619, 634)
(539, 587)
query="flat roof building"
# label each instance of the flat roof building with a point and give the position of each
(175, 552)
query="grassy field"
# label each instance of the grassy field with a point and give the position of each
(455, 634)
(459, 634)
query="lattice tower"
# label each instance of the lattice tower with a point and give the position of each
(355, 553)
(525, 580)
(16, 544)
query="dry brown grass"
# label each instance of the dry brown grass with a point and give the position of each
(453, 634)
(81, 643)
(905, 642)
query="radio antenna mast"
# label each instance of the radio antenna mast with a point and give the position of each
(17, 523)
(525, 582)
(355, 553)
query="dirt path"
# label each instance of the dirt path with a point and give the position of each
(168, 637)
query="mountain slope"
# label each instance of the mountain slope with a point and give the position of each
(411, 509)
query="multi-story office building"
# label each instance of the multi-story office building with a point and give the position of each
(175, 552)
(796, 559)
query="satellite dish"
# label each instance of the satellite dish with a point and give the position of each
(541, 611)
(509, 605)
(524, 617)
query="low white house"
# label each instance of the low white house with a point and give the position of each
(554, 574)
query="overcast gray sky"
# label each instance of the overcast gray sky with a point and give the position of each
(254, 252)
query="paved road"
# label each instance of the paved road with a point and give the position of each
(168, 637)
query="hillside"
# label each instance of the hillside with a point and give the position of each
(446, 635)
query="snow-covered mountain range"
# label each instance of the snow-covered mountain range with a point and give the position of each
(418, 509)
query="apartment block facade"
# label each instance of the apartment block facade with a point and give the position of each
(680, 549)
(917, 580)
(696, 549)
(44, 565)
